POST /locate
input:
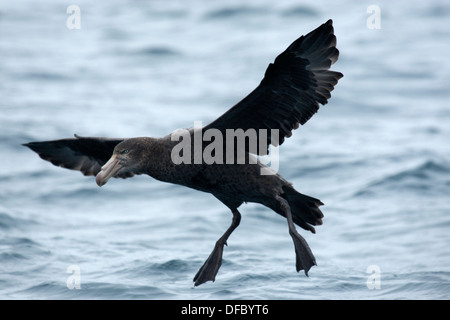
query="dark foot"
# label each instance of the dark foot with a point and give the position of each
(303, 255)
(211, 266)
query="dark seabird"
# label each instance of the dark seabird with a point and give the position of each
(288, 95)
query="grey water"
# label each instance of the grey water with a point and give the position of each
(377, 155)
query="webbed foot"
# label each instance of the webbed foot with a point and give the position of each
(211, 266)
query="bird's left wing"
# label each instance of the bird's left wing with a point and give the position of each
(291, 90)
(86, 154)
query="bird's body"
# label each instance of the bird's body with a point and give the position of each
(240, 183)
(288, 95)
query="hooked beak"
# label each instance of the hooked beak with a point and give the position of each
(108, 170)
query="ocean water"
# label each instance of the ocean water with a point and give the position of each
(378, 155)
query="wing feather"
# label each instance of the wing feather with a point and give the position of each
(291, 90)
(85, 154)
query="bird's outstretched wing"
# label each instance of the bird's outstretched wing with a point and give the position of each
(86, 154)
(291, 90)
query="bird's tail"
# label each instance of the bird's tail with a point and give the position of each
(305, 209)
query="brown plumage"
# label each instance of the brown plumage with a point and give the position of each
(289, 94)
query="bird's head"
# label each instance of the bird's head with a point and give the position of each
(124, 163)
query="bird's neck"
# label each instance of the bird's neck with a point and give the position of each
(156, 161)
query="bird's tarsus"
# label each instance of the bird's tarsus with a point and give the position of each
(211, 266)
(304, 258)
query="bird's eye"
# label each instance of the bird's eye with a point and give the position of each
(125, 151)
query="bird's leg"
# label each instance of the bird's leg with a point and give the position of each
(211, 266)
(303, 254)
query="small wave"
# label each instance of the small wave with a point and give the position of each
(157, 51)
(90, 290)
(19, 248)
(428, 176)
(6, 257)
(437, 11)
(172, 265)
(233, 12)
(47, 289)
(44, 76)
(167, 13)
(418, 173)
(106, 290)
(299, 11)
(8, 222)
(169, 270)
(150, 51)
(418, 285)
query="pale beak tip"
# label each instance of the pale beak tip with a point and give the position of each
(108, 170)
(98, 179)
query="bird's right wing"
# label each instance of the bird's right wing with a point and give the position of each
(86, 154)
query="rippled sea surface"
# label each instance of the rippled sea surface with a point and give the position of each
(378, 155)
